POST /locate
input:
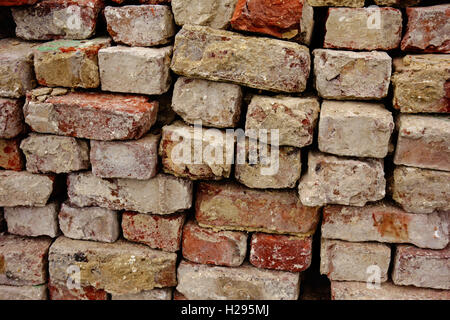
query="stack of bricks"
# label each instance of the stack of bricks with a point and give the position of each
(97, 96)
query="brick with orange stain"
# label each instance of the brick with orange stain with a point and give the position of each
(11, 157)
(280, 252)
(8, 3)
(60, 291)
(11, 118)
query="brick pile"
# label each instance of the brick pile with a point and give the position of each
(96, 204)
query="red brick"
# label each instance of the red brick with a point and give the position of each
(280, 252)
(178, 296)
(10, 155)
(156, 231)
(11, 118)
(206, 246)
(60, 291)
(8, 3)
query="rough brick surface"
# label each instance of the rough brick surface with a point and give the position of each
(60, 291)
(23, 292)
(234, 207)
(218, 56)
(10, 156)
(17, 2)
(92, 115)
(135, 70)
(336, 3)
(280, 252)
(202, 282)
(384, 222)
(136, 159)
(206, 246)
(423, 141)
(355, 129)
(340, 180)
(11, 118)
(23, 260)
(358, 29)
(162, 194)
(154, 294)
(120, 267)
(89, 223)
(156, 231)
(140, 26)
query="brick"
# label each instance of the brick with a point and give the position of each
(136, 159)
(162, 194)
(397, 3)
(154, 294)
(135, 70)
(203, 282)
(294, 117)
(358, 29)
(207, 246)
(218, 57)
(23, 260)
(60, 291)
(384, 222)
(23, 292)
(117, 268)
(229, 206)
(421, 84)
(280, 252)
(69, 63)
(17, 2)
(178, 296)
(212, 13)
(341, 180)
(428, 29)
(357, 129)
(11, 118)
(140, 26)
(16, 68)
(422, 267)
(24, 189)
(291, 19)
(33, 221)
(91, 115)
(423, 141)
(348, 75)
(156, 231)
(350, 261)
(49, 153)
(89, 223)
(10, 156)
(336, 3)
(216, 104)
(56, 19)
(155, 1)
(421, 190)
(345, 290)
(202, 153)
(275, 168)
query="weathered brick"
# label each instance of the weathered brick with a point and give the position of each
(17, 2)
(421, 84)
(428, 29)
(162, 194)
(23, 292)
(206, 246)
(422, 267)
(397, 3)
(154, 294)
(56, 19)
(135, 70)
(294, 117)
(218, 56)
(350, 261)
(91, 115)
(213, 13)
(423, 141)
(49, 153)
(136, 159)
(345, 290)
(358, 129)
(10, 156)
(24, 189)
(33, 221)
(421, 190)
(229, 206)
(201, 153)
(216, 104)
(291, 19)
(280, 252)
(23, 260)
(69, 63)
(60, 291)
(89, 223)
(341, 180)
(360, 28)
(16, 68)
(156, 231)
(384, 222)
(348, 75)
(336, 3)
(11, 118)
